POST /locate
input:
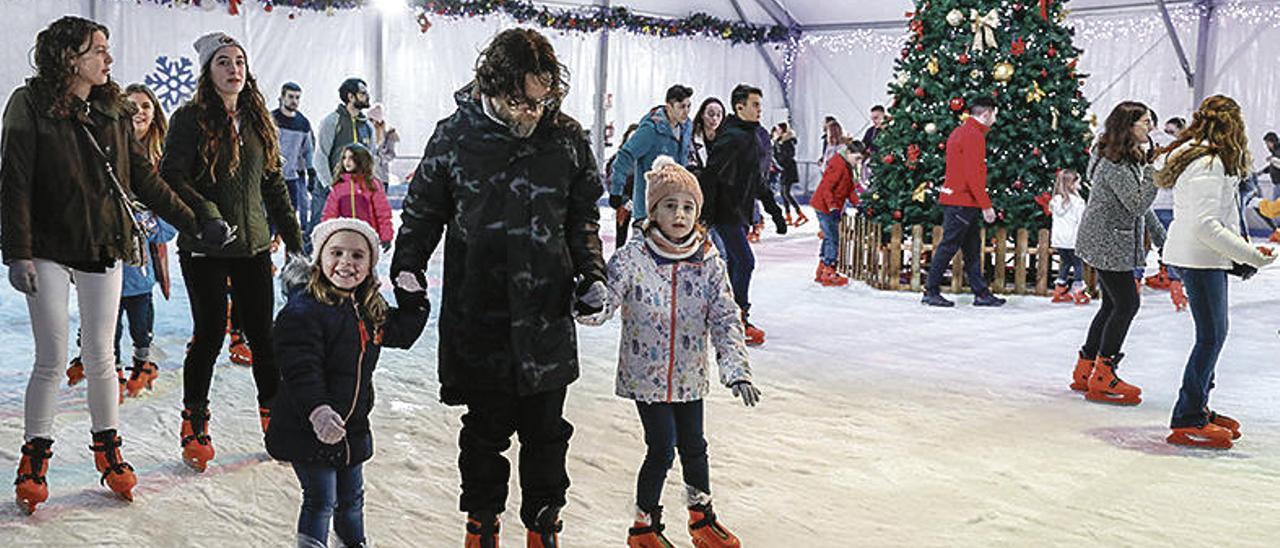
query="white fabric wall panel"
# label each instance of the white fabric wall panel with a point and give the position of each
(23, 19)
(1246, 67)
(841, 78)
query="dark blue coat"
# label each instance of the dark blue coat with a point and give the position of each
(327, 355)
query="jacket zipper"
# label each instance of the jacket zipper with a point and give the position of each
(355, 398)
(671, 358)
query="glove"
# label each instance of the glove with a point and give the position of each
(22, 276)
(1177, 295)
(589, 298)
(311, 179)
(748, 392)
(296, 272)
(615, 201)
(410, 289)
(216, 234)
(386, 246)
(327, 424)
(780, 223)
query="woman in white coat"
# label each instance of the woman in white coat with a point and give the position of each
(1203, 168)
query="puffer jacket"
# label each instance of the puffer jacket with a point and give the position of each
(56, 199)
(349, 198)
(1206, 218)
(671, 310)
(1066, 220)
(1117, 216)
(653, 137)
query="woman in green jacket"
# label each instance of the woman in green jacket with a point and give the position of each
(222, 156)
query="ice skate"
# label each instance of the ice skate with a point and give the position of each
(546, 533)
(239, 350)
(646, 532)
(1080, 297)
(833, 278)
(75, 371)
(264, 417)
(1084, 369)
(116, 473)
(120, 381)
(1177, 295)
(1226, 422)
(788, 219)
(706, 531)
(30, 486)
(141, 375)
(197, 447)
(819, 274)
(1061, 294)
(800, 218)
(482, 531)
(1159, 280)
(1106, 387)
(1210, 436)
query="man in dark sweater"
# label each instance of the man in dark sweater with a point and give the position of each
(296, 145)
(878, 118)
(731, 184)
(965, 204)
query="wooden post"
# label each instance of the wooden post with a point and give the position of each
(1043, 262)
(1001, 252)
(917, 247)
(882, 261)
(1020, 266)
(895, 257)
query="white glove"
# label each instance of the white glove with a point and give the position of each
(22, 276)
(748, 392)
(591, 301)
(408, 282)
(328, 425)
(594, 320)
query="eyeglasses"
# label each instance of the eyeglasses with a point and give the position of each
(533, 105)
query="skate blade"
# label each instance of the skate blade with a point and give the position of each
(26, 506)
(1112, 399)
(197, 464)
(1191, 440)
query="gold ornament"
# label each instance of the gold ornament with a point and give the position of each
(1062, 16)
(955, 18)
(875, 196)
(1036, 94)
(1093, 120)
(902, 79)
(964, 116)
(975, 74)
(984, 33)
(919, 193)
(931, 128)
(1003, 71)
(933, 66)
(1054, 124)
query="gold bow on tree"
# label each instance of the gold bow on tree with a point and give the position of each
(1036, 94)
(984, 29)
(919, 193)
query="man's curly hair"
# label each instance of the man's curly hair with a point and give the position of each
(512, 54)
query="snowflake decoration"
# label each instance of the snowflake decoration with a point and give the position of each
(173, 81)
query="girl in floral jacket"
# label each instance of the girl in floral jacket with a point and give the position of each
(673, 290)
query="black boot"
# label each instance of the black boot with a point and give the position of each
(934, 298)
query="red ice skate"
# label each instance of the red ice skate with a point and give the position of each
(75, 371)
(1061, 294)
(197, 446)
(706, 531)
(116, 473)
(1209, 436)
(1106, 387)
(647, 532)
(1226, 422)
(1080, 377)
(30, 487)
(141, 375)
(482, 531)
(239, 350)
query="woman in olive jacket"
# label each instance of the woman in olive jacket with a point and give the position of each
(67, 139)
(222, 156)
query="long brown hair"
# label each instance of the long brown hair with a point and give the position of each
(216, 128)
(153, 140)
(1118, 143)
(56, 46)
(363, 174)
(1217, 129)
(368, 301)
(1066, 183)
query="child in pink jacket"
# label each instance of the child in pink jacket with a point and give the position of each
(357, 194)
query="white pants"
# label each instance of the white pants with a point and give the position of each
(98, 297)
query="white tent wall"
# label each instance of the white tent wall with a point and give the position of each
(23, 19)
(1244, 62)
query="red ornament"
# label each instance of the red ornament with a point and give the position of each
(1052, 52)
(919, 47)
(897, 214)
(1018, 47)
(1035, 151)
(1017, 185)
(267, 8)
(963, 59)
(905, 52)
(942, 146)
(919, 92)
(995, 93)
(956, 104)
(871, 212)
(887, 159)
(913, 153)
(1000, 215)
(1044, 73)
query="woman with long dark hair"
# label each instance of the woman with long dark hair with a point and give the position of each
(1203, 167)
(1110, 239)
(705, 124)
(784, 152)
(223, 157)
(69, 172)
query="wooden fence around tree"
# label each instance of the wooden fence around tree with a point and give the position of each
(900, 260)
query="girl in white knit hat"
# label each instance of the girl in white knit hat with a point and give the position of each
(328, 338)
(673, 290)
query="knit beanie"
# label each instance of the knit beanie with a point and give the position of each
(321, 233)
(668, 177)
(209, 44)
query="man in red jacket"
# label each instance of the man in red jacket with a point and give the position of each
(964, 201)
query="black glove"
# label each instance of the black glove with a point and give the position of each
(216, 234)
(589, 297)
(386, 246)
(615, 201)
(781, 223)
(1242, 270)
(311, 179)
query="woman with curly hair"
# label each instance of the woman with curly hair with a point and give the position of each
(1203, 167)
(223, 157)
(69, 173)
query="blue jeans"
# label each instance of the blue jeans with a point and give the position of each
(1072, 268)
(960, 227)
(829, 223)
(739, 258)
(319, 195)
(331, 494)
(301, 199)
(142, 314)
(1207, 296)
(666, 427)
(1166, 218)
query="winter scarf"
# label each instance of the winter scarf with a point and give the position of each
(667, 249)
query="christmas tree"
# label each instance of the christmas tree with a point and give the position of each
(1016, 51)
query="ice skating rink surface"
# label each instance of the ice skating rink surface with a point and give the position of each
(883, 423)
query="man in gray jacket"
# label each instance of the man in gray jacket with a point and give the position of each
(345, 125)
(297, 144)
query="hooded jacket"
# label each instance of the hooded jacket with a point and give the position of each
(654, 137)
(349, 198)
(732, 180)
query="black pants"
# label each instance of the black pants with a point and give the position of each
(789, 201)
(1111, 324)
(253, 294)
(666, 427)
(487, 427)
(960, 228)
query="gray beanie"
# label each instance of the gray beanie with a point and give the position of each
(210, 43)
